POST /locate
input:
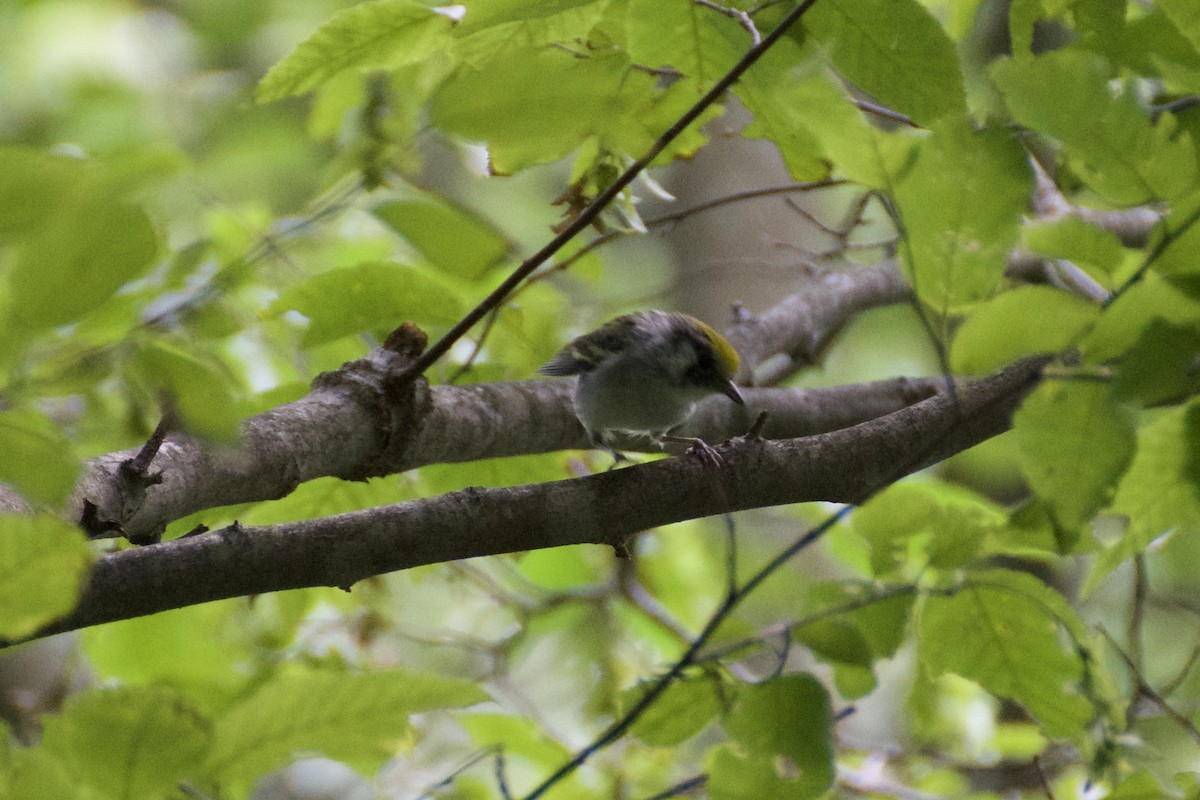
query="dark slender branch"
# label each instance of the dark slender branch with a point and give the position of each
(683, 787)
(1143, 688)
(589, 214)
(1137, 611)
(1168, 237)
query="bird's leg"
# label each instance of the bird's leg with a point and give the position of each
(601, 444)
(698, 448)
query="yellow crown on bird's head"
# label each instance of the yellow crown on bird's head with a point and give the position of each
(726, 356)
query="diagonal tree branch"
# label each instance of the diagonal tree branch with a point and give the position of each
(607, 508)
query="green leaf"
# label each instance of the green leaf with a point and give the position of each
(1000, 630)
(1154, 46)
(1161, 489)
(375, 296)
(350, 717)
(78, 259)
(380, 34)
(574, 97)
(517, 735)
(196, 650)
(33, 185)
(1026, 321)
(788, 716)
(1138, 786)
(894, 50)
(1066, 94)
(44, 564)
(1186, 17)
(1022, 14)
(858, 150)
(943, 523)
(1075, 442)
(696, 41)
(781, 108)
(1183, 226)
(1125, 321)
(1156, 369)
(1075, 240)
(38, 775)
(154, 737)
(961, 205)
(842, 646)
(681, 712)
(733, 775)
(493, 27)
(453, 239)
(37, 457)
(200, 386)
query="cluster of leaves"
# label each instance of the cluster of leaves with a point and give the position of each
(120, 287)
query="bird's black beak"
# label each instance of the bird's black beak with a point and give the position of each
(727, 388)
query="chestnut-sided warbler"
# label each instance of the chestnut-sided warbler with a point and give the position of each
(642, 373)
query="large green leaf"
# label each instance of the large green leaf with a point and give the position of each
(1000, 630)
(574, 98)
(128, 742)
(1066, 95)
(935, 524)
(1082, 243)
(44, 563)
(1186, 16)
(1025, 321)
(1161, 489)
(353, 717)
(379, 34)
(860, 151)
(33, 185)
(789, 716)
(782, 107)
(37, 457)
(78, 259)
(494, 27)
(695, 41)
(1125, 321)
(453, 239)
(375, 296)
(681, 712)
(1075, 441)
(961, 206)
(199, 385)
(894, 50)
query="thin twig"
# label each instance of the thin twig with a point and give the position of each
(737, 14)
(683, 787)
(1169, 237)
(1137, 611)
(1144, 689)
(1045, 781)
(885, 112)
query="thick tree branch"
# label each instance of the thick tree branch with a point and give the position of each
(608, 508)
(363, 420)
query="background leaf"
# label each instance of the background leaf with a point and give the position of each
(43, 565)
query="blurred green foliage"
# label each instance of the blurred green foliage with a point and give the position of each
(204, 204)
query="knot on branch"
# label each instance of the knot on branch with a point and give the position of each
(129, 486)
(382, 385)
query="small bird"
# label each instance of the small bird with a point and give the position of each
(643, 373)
